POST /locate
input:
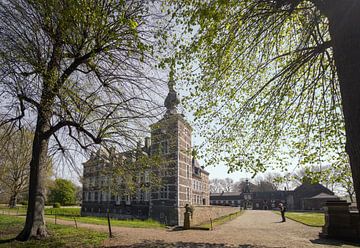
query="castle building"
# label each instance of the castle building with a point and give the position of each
(183, 180)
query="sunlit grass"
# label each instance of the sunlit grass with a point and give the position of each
(307, 218)
(69, 213)
(135, 223)
(60, 236)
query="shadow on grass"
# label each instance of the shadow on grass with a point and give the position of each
(162, 244)
(5, 241)
(334, 242)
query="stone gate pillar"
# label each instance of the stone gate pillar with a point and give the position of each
(339, 222)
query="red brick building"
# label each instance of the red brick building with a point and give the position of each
(184, 181)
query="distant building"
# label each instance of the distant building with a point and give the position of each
(184, 181)
(305, 197)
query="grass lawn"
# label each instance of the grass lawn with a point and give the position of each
(222, 220)
(60, 236)
(69, 213)
(307, 218)
(103, 221)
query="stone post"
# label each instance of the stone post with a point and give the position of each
(339, 223)
(187, 217)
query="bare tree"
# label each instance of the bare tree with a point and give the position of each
(274, 178)
(215, 185)
(263, 185)
(80, 72)
(227, 184)
(15, 155)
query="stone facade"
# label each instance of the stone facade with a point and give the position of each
(183, 180)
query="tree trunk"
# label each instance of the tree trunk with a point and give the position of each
(344, 21)
(35, 222)
(13, 200)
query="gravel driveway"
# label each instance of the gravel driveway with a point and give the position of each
(251, 229)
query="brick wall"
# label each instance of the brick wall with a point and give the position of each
(202, 214)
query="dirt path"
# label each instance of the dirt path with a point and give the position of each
(252, 229)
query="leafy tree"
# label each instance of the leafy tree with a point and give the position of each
(63, 191)
(275, 77)
(80, 72)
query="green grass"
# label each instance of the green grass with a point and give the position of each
(114, 222)
(69, 214)
(73, 211)
(60, 236)
(221, 220)
(63, 211)
(307, 218)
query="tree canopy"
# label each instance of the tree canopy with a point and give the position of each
(266, 82)
(274, 80)
(63, 191)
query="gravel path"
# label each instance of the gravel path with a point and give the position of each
(251, 229)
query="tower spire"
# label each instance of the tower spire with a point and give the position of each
(172, 99)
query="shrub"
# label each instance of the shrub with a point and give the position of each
(56, 205)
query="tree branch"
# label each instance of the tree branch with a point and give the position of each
(61, 124)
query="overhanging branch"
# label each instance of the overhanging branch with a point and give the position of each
(77, 126)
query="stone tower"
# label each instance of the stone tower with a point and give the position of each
(171, 138)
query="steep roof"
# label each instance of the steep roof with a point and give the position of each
(307, 190)
(313, 187)
(324, 196)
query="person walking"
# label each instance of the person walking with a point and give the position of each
(282, 211)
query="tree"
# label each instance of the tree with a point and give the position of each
(15, 155)
(263, 185)
(63, 191)
(221, 185)
(240, 185)
(275, 75)
(275, 178)
(215, 185)
(80, 72)
(227, 184)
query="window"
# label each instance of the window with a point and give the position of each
(146, 196)
(187, 171)
(164, 147)
(96, 196)
(127, 200)
(104, 196)
(186, 131)
(147, 176)
(187, 194)
(164, 192)
(188, 149)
